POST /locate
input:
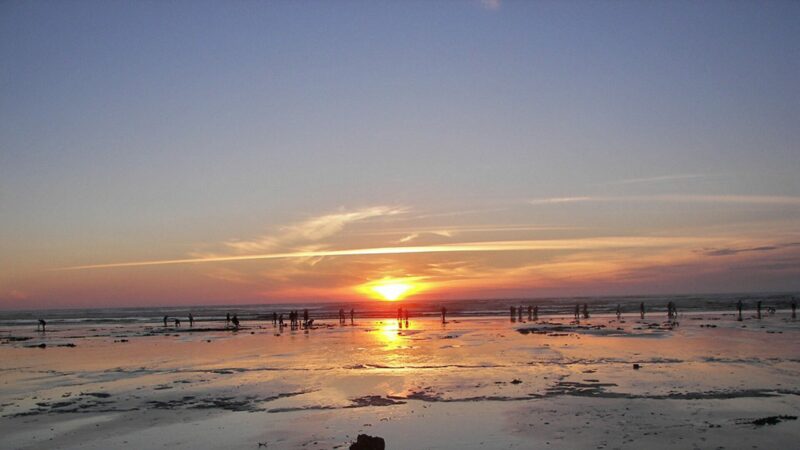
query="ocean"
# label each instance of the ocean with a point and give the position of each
(380, 309)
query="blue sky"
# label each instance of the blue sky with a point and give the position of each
(145, 131)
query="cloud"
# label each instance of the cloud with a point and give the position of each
(491, 4)
(488, 246)
(557, 200)
(655, 179)
(314, 229)
(780, 200)
(727, 251)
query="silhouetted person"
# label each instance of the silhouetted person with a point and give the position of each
(177, 322)
(585, 310)
(619, 311)
(530, 312)
(641, 309)
(227, 319)
(191, 320)
(739, 309)
(794, 308)
(758, 308)
(280, 320)
(444, 314)
(305, 318)
(405, 316)
(42, 325)
(535, 313)
(399, 314)
(235, 322)
(352, 316)
(165, 321)
(513, 313)
(577, 311)
(669, 310)
(519, 312)
(274, 319)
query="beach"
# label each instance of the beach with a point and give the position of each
(705, 381)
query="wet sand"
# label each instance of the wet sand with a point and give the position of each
(710, 382)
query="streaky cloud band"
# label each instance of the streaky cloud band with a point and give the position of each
(490, 246)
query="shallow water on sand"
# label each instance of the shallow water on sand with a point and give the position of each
(477, 382)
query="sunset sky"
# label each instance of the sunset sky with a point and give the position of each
(176, 153)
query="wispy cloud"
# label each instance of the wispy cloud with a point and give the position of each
(727, 251)
(557, 200)
(656, 179)
(491, 4)
(311, 230)
(676, 198)
(488, 246)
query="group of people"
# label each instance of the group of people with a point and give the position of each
(577, 313)
(770, 309)
(402, 314)
(672, 311)
(343, 318)
(516, 313)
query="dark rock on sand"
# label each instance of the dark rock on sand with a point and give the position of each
(365, 442)
(771, 420)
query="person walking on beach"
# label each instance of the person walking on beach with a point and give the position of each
(280, 321)
(177, 322)
(227, 319)
(405, 316)
(235, 322)
(739, 309)
(165, 321)
(641, 309)
(305, 318)
(352, 316)
(619, 311)
(513, 313)
(42, 325)
(530, 312)
(274, 319)
(191, 320)
(535, 313)
(577, 311)
(585, 310)
(758, 309)
(444, 314)
(519, 311)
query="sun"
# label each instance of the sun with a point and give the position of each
(391, 289)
